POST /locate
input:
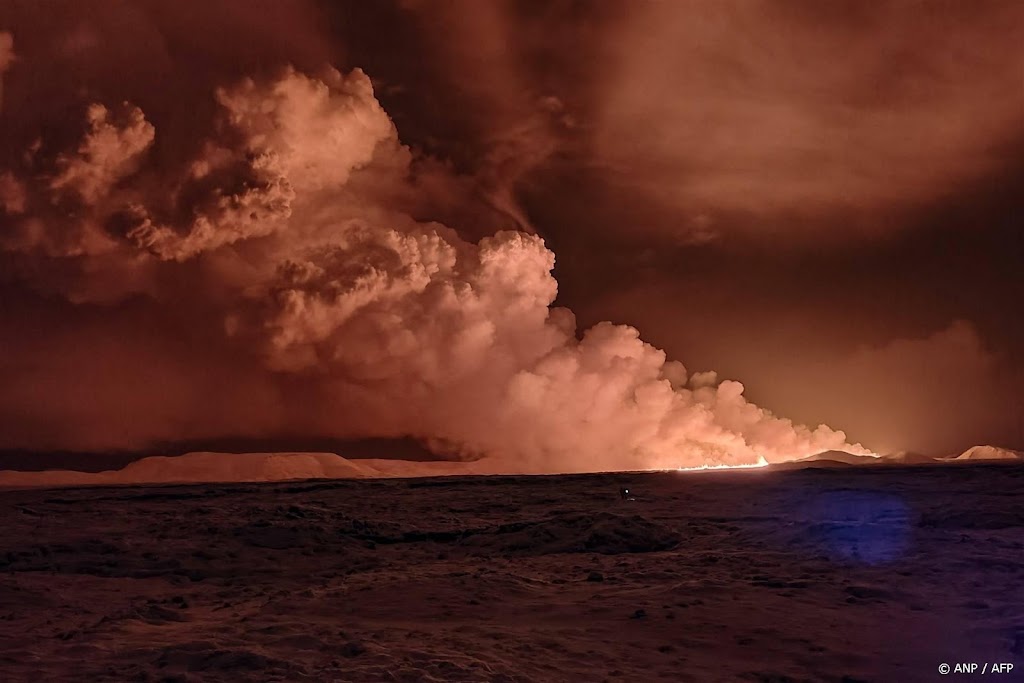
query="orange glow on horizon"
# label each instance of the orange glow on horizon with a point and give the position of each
(761, 462)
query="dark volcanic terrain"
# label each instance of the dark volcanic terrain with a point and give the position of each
(854, 574)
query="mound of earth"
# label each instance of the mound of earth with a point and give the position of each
(203, 467)
(210, 467)
(990, 453)
(841, 457)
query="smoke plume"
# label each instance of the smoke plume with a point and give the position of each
(297, 258)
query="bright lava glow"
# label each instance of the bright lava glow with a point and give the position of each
(761, 462)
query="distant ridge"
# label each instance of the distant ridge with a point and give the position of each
(208, 467)
(216, 467)
(990, 453)
(840, 457)
(844, 459)
(28, 460)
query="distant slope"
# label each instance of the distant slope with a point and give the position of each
(204, 467)
(27, 460)
(989, 453)
(826, 458)
(844, 459)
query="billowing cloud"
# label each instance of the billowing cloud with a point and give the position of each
(293, 239)
(109, 152)
(937, 391)
(60, 207)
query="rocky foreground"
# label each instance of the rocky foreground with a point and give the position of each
(852, 574)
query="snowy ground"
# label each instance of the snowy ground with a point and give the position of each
(853, 574)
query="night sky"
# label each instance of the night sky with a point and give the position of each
(823, 201)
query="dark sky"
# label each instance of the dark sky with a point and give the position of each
(824, 201)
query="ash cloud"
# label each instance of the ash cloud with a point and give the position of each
(763, 107)
(779, 123)
(300, 283)
(109, 151)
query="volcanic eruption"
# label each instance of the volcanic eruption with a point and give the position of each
(299, 238)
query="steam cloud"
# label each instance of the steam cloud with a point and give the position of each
(301, 229)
